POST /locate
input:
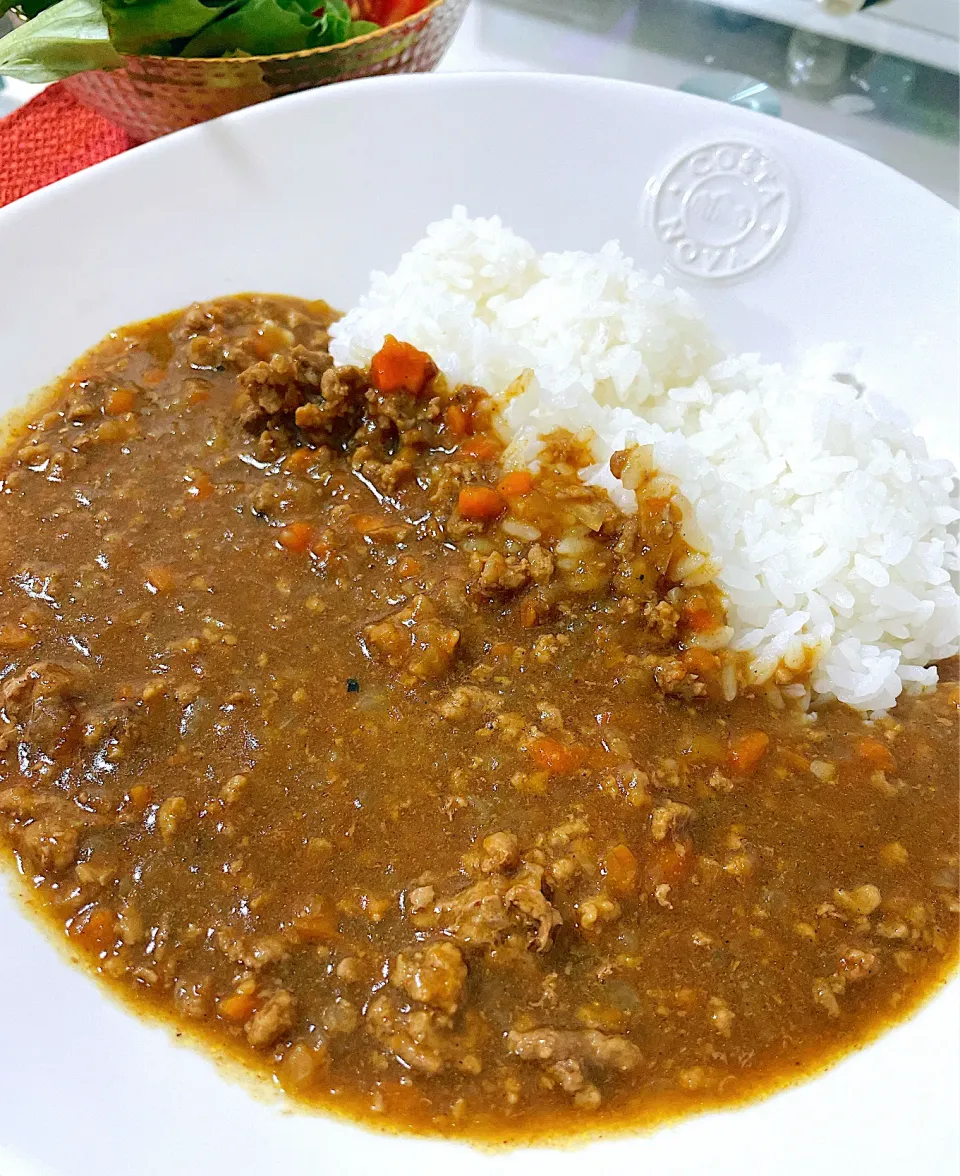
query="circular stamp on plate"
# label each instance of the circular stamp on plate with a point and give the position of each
(722, 209)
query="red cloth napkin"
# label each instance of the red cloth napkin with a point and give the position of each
(50, 137)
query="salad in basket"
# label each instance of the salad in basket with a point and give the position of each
(62, 37)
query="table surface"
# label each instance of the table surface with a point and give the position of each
(902, 113)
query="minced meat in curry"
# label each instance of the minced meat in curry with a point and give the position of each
(411, 780)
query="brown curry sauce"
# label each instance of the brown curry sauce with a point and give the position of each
(411, 781)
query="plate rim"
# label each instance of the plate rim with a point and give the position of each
(269, 109)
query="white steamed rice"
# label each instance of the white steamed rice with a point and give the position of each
(828, 527)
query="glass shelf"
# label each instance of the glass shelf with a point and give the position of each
(901, 112)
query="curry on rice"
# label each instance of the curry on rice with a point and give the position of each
(412, 780)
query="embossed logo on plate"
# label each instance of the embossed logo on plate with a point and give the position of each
(721, 209)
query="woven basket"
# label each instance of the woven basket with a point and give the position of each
(152, 96)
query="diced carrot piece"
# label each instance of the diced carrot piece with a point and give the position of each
(793, 759)
(14, 637)
(322, 549)
(619, 867)
(481, 447)
(876, 755)
(295, 536)
(700, 661)
(480, 503)
(119, 401)
(300, 460)
(200, 487)
(97, 932)
(153, 377)
(529, 614)
(268, 340)
(408, 567)
(140, 795)
(368, 524)
(317, 926)
(458, 421)
(670, 862)
(747, 751)
(400, 367)
(238, 1007)
(160, 579)
(699, 619)
(554, 756)
(654, 506)
(517, 484)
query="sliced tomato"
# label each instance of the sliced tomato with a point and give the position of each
(387, 12)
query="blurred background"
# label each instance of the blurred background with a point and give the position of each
(883, 79)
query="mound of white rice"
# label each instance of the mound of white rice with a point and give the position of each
(827, 525)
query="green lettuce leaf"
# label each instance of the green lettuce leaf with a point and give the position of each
(73, 35)
(153, 25)
(335, 25)
(258, 27)
(67, 38)
(329, 20)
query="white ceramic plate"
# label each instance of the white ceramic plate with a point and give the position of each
(305, 195)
